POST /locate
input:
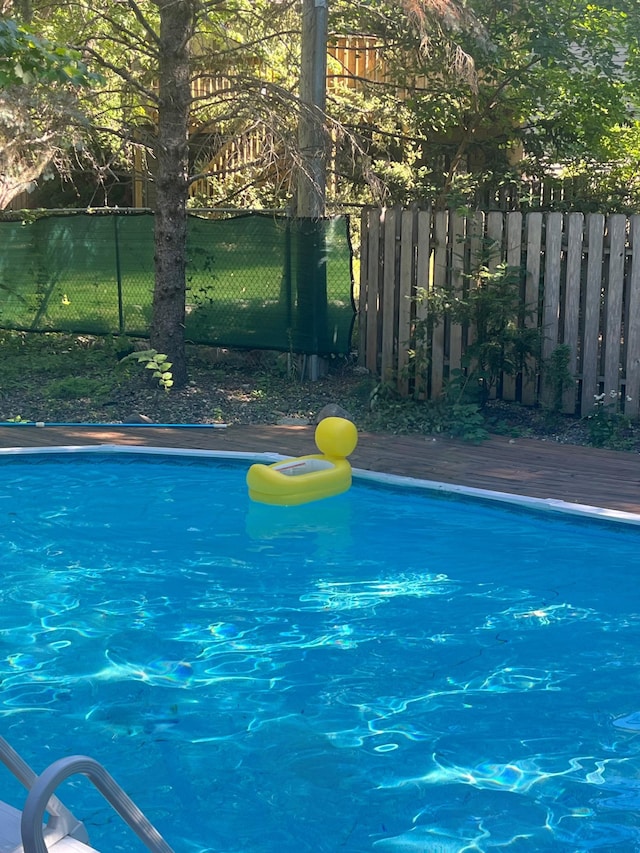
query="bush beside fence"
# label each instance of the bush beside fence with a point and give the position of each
(579, 284)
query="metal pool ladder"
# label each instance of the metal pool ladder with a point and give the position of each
(23, 831)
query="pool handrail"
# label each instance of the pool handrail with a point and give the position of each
(61, 822)
(37, 837)
(46, 783)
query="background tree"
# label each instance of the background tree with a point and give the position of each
(173, 71)
(39, 85)
(29, 59)
(484, 94)
(178, 19)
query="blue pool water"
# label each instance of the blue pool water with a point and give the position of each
(384, 671)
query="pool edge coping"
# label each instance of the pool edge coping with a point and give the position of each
(553, 505)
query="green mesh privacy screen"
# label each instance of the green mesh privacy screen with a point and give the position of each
(253, 280)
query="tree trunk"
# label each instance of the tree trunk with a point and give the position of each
(177, 20)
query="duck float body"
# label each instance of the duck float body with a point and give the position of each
(308, 478)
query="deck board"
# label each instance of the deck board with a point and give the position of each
(541, 469)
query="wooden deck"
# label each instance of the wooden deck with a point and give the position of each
(541, 469)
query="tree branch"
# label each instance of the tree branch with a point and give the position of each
(142, 20)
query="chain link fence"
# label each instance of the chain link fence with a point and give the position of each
(256, 280)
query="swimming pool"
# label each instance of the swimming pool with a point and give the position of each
(383, 671)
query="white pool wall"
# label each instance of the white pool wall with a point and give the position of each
(523, 501)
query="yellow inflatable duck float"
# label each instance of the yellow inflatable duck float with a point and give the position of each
(308, 478)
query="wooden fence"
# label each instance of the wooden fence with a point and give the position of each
(580, 283)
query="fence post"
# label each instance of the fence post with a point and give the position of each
(288, 285)
(365, 249)
(116, 220)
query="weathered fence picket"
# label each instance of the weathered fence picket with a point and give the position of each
(579, 284)
(614, 285)
(532, 266)
(513, 252)
(632, 366)
(423, 275)
(571, 312)
(551, 295)
(592, 310)
(440, 268)
(404, 301)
